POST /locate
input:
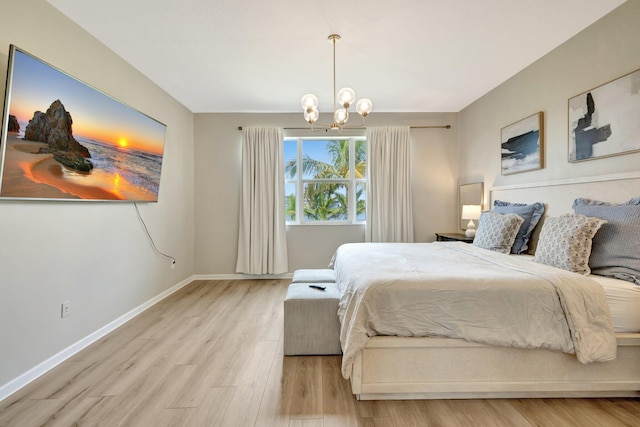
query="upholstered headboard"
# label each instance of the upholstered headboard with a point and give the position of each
(558, 196)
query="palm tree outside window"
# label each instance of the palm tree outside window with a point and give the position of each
(329, 174)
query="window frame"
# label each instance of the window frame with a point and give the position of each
(351, 182)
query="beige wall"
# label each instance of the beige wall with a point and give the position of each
(94, 255)
(605, 51)
(218, 184)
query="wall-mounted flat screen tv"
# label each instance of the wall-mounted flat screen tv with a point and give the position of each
(64, 140)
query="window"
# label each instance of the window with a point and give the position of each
(329, 174)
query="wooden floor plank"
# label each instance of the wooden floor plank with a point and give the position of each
(407, 413)
(627, 411)
(339, 407)
(441, 413)
(212, 355)
(25, 412)
(127, 400)
(508, 413)
(70, 381)
(584, 412)
(155, 400)
(129, 371)
(307, 388)
(213, 408)
(178, 417)
(371, 409)
(117, 340)
(275, 407)
(245, 405)
(309, 422)
(467, 412)
(73, 412)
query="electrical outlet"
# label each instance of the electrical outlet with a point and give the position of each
(173, 264)
(65, 309)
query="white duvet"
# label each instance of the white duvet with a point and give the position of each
(458, 290)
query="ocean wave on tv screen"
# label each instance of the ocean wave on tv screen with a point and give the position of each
(139, 168)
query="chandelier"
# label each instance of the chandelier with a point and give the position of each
(345, 98)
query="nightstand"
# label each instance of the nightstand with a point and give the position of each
(453, 237)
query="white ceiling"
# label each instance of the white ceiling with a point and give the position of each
(262, 56)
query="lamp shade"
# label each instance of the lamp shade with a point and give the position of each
(471, 211)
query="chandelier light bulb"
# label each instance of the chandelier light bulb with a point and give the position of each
(346, 97)
(364, 107)
(312, 116)
(341, 116)
(309, 102)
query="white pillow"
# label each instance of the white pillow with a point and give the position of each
(497, 232)
(565, 242)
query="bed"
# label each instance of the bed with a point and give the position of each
(598, 359)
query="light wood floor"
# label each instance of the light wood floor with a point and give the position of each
(211, 355)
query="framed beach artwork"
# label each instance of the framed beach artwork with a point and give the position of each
(523, 145)
(605, 121)
(64, 140)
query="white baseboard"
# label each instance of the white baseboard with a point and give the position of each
(16, 384)
(239, 276)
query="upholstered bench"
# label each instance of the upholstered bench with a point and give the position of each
(311, 275)
(311, 325)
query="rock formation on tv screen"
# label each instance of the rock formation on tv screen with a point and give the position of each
(13, 125)
(54, 129)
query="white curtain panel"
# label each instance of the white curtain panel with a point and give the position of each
(389, 210)
(262, 240)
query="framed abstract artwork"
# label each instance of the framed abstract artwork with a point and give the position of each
(523, 145)
(605, 121)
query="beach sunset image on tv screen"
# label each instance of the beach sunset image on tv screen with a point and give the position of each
(64, 140)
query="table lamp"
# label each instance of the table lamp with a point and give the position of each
(471, 212)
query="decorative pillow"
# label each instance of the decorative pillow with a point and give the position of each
(616, 247)
(531, 215)
(565, 242)
(497, 232)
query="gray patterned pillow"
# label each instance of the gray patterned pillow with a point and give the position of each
(497, 232)
(531, 215)
(565, 242)
(616, 247)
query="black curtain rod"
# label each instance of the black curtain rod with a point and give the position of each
(411, 127)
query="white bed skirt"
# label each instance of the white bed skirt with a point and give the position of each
(443, 368)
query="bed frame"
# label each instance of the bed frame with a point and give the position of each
(444, 368)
